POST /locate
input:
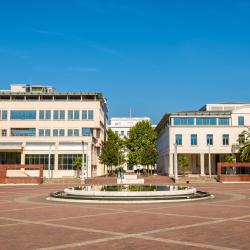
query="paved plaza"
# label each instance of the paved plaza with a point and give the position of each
(28, 221)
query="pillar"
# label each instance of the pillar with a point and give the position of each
(171, 166)
(202, 167)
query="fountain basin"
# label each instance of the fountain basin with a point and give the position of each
(129, 194)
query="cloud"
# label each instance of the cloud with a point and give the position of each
(47, 32)
(83, 69)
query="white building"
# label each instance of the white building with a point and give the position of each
(37, 122)
(122, 126)
(205, 136)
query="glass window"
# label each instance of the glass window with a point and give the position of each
(225, 139)
(48, 115)
(70, 132)
(90, 114)
(122, 132)
(23, 115)
(70, 115)
(223, 121)
(23, 132)
(241, 138)
(178, 139)
(193, 139)
(4, 115)
(55, 132)
(209, 139)
(41, 132)
(87, 131)
(42, 159)
(206, 121)
(241, 121)
(76, 115)
(62, 115)
(4, 132)
(61, 132)
(84, 115)
(56, 115)
(41, 115)
(76, 132)
(183, 121)
(65, 161)
(47, 132)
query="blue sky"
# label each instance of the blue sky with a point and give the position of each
(154, 56)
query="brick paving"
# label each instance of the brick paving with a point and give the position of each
(29, 221)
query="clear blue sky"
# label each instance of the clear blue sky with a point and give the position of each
(154, 56)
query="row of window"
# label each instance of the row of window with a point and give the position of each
(47, 132)
(47, 114)
(209, 139)
(207, 121)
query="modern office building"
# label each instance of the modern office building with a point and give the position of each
(122, 126)
(39, 125)
(205, 136)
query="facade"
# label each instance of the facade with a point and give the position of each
(122, 126)
(205, 136)
(39, 125)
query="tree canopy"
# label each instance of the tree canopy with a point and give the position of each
(245, 147)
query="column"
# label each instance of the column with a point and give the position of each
(56, 156)
(176, 166)
(23, 153)
(171, 166)
(202, 167)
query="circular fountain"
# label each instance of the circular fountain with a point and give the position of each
(129, 194)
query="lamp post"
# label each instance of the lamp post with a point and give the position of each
(209, 160)
(175, 162)
(84, 166)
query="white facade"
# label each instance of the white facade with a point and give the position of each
(204, 136)
(40, 122)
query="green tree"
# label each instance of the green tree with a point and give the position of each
(112, 153)
(245, 147)
(183, 163)
(229, 158)
(77, 163)
(141, 144)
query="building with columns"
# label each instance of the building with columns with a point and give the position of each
(39, 125)
(205, 136)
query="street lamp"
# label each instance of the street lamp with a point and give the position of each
(84, 166)
(175, 162)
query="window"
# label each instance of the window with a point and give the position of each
(122, 132)
(4, 115)
(40, 159)
(23, 132)
(70, 132)
(223, 121)
(70, 115)
(206, 121)
(65, 161)
(76, 132)
(241, 120)
(4, 132)
(90, 114)
(48, 115)
(56, 115)
(41, 115)
(225, 139)
(47, 132)
(23, 115)
(61, 132)
(193, 139)
(87, 131)
(62, 115)
(209, 139)
(76, 115)
(41, 132)
(241, 138)
(178, 139)
(84, 115)
(55, 132)
(183, 121)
